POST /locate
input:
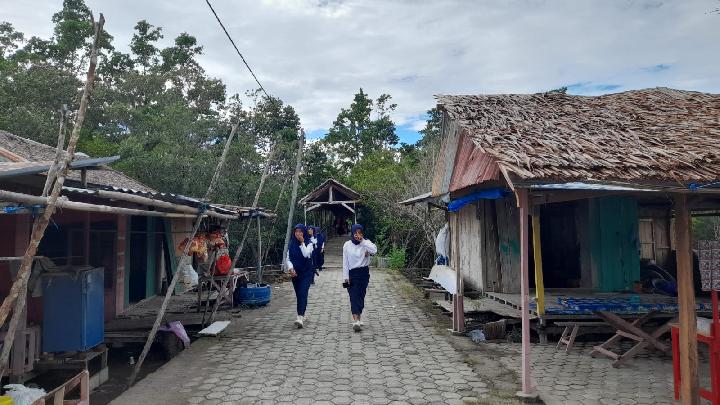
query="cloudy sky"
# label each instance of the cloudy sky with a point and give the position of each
(315, 54)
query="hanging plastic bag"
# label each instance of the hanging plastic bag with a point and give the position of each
(178, 330)
(189, 275)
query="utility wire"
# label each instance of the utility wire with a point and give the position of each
(238, 51)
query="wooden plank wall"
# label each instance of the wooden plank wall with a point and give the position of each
(446, 160)
(489, 250)
(469, 250)
(655, 234)
(508, 226)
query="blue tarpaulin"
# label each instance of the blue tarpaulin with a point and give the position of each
(489, 194)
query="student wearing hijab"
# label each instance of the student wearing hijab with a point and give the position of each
(299, 262)
(318, 240)
(313, 239)
(356, 258)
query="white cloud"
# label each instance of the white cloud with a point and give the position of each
(315, 54)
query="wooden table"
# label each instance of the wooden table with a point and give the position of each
(632, 330)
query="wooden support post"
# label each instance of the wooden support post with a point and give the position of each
(528, 390)
(17, 297)
(537, 255)
(293, 198)
(256, 201)
(83, 178)
(86, 239)
(259, 252)
(689, 386)
(458, 299)
(181, 260)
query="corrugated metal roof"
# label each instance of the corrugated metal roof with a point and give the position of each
(12, 169)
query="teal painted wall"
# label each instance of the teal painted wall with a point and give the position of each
(614, 244)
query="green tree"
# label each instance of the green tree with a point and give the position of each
(10, 40)
(356, 133)
(143, 46)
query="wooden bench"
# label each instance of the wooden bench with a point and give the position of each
(571, 331)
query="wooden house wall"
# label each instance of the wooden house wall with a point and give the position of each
(446, 158)
(489, 249)
(471, 166)
(655, 235)
(508, 225)
(489, 246)
(470, 254)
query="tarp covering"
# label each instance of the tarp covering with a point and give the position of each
(445, 276)
(489, 194)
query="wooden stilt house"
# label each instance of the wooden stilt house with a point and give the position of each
(603, 184)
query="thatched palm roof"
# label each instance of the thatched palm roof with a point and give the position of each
(656, 134)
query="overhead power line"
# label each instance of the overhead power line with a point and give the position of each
(238, 51)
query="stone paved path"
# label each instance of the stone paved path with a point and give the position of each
(400, 357)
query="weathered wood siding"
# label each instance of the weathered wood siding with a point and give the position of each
(470, 260)
(654, 232)
(488, 245)
(471, 165)
(508, 217)
(489, 249)
(446, 160)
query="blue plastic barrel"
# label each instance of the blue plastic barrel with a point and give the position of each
(255, 294)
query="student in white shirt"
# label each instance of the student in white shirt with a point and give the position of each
(356, 258)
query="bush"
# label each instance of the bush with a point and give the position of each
(396, 259)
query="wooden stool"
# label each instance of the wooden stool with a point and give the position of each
(571, 331)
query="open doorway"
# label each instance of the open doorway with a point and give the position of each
(560, 246)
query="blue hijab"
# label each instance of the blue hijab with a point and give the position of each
(297, 259)
(319, 236)
(353, 230)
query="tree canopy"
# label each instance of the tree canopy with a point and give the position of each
(168, 118)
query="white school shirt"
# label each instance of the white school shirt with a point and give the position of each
(306, 252)
(314, 240)
(354, 255)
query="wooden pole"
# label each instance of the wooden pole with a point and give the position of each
(458, 301)
(256, 201)
(216, 176)
(137, 199)
(537, 255)
(274, 221)
(86, 207)
(293, 198)
(180, 265)
(161, 313)
(18, 292)
(523, 202)
(50, 179)
(259, 252)
(689, 384)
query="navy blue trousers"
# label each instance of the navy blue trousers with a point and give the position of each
(301, 284)
(359, 279)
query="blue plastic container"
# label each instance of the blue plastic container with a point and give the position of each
(255, 294)
(73, 311)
